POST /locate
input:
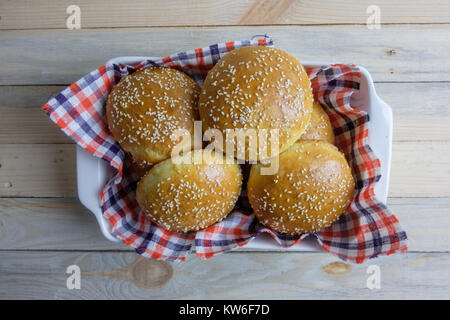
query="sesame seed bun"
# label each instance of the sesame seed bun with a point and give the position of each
(319, 127)
(183, 196)
(313, 187)
(146, 107)
(257, 88)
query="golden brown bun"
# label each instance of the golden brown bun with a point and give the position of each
(146, 107)
(313, 187)
(319, 127)
(186, 197)
(257, 88)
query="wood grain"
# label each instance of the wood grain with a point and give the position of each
(57, 224)
(266, 12)
(393, 53)
(37, 170)
(421, 128)
(425, 221)
(416, 99)
(32, 14)
(420, 169)
(33, 275)
(26, 96)
(29, 125)
(64, 224)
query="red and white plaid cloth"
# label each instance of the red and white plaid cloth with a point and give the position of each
(366, 230)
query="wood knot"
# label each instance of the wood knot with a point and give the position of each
(150, 274)
(337, 267)
(144, 273)
(391, 52)
(7, 185)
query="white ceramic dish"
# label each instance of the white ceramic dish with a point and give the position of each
(92, 173)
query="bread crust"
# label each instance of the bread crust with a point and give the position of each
(319, 127)
(313, 187)
(146, 107)
(257, 88)
(183, 197)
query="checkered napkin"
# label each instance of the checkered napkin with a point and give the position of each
(366, 230)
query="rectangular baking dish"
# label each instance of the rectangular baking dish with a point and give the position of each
(93, 173)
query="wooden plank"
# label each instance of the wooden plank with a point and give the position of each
(48, 170)
(57, 224)
(67, 225)
(37, 170)
(421, 112)
(32, 14)
(425, 221)
(420, 169)
(31, 125)
(112, 275)
(393, 53)
(416, 99)
(420, 109)
(26, 96)
(421, 128)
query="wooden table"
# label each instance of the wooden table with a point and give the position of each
(44, 228)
